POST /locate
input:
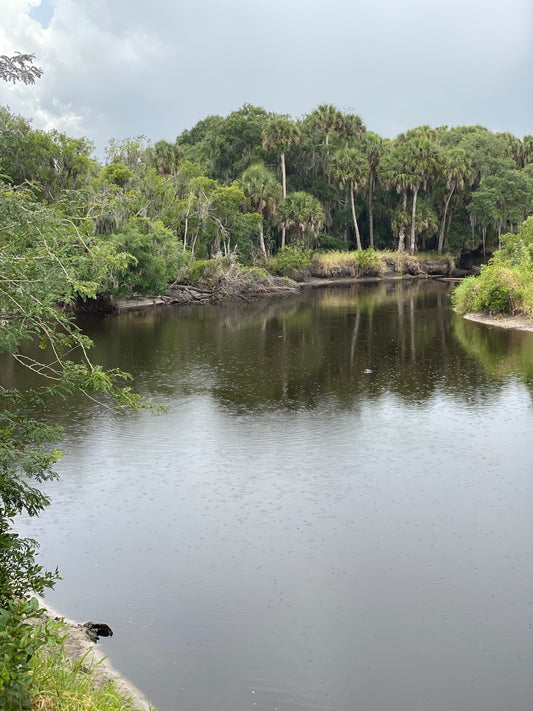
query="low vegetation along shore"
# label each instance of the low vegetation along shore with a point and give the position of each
(504, 287)
(221, 279)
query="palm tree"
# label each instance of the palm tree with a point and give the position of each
(423, 158)
(164, 157)
(395, 171)
(263, 195)
(349, 167)
(350, 127)
(302, 212)
(372, 145)
(281, 134)
(457, 171)
(326, 118)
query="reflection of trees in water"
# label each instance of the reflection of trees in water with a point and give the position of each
(501, 353)
(304, 350)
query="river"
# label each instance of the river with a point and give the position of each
(335, 512)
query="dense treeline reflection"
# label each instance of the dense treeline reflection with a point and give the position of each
(366, 340)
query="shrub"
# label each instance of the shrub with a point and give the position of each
(157, 257)
(464, 295)
(369, 262)
(19, 641)
(195, 271)
(289, 261)
(493, 291)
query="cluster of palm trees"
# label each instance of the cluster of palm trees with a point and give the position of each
(355, 166)
(442, 164)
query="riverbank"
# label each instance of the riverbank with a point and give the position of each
(517, 322)
(224, 279)
(78, 646)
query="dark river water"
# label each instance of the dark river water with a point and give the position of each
(334, 514)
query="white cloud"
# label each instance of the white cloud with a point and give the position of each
(128, 67)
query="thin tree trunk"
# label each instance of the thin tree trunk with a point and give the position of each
(412, 241)
(450, 213)
(401, 236)
(443, 221)
(284, 189)
(370, 208)
(262, 242)
(356, 226)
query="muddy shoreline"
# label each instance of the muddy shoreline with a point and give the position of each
(517, 322)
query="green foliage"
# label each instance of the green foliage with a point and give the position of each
(195, 271)
(22, 634)
(369, 262)
(45, 264)
(328, 243)
(505, 285)
(157, 256)
(492, 293)
(289, 260)
(117, 173)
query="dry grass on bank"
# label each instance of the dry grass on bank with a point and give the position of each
(369, 263)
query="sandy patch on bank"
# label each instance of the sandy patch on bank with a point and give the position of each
(519, 323)
(78, 644)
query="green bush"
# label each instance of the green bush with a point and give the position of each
(290, 260)
(157, 257)
(369, 262)
(464, 295)
(21, 635)
(195, 271)
(327, 242)
(493, 294)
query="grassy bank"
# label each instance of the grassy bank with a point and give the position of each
(50, 664)
(64, 684)
(305, 264)
(505, 285)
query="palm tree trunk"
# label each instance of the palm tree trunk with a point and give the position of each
(262, 242)
(412, 241)
(284, 188)
(401, 235)
(356, 226)
(370, 208)
(443, 221)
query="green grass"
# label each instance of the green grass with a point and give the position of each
(61, 684)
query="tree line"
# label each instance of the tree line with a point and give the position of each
(253, 182)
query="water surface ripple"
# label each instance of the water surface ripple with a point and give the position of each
(334, 514)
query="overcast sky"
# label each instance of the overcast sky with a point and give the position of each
(118, 68)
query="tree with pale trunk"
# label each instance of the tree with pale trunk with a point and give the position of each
(263, 195)
(458, 172)
(372, 145)
(395, 172)
(281, 134)
(424, 163)
(349, 169)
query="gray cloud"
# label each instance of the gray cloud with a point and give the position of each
(127, 67)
